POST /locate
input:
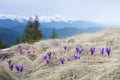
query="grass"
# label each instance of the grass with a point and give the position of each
(96, 67)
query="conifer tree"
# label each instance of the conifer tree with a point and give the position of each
(32, 32)
(54, 34)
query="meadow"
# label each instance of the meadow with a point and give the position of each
(88, 56)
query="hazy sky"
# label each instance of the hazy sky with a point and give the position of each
(103, 11)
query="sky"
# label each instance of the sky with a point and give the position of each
(102, 11)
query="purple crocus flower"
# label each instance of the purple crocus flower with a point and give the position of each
(108, 50)
(77, 48)
(65, 47)
(44, 56)
(62, 60)
(11, 66)
(19, 68)
(80, 50)
(20, 50)
(0, 56)
(92, 50)
(76, 56)
(47, 60)
(102, 50)
(9, 61)
(49, 54)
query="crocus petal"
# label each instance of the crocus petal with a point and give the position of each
(65, 47)
(80, 50)
(92, 50)
(44, 56)
(78, 57)
(17, 68)
(9, 61)
(47, 60)
(75, 56)
(20, 68)
(62, 60)
(20, 50)
(49, 54)
(108, 50)
(77, 48)
(102, 50)
(11, 67)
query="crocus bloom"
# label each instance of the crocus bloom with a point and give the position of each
(77, 49)
(47, 60)
(76, 56)
(49, 54)
(44, 56)
(11, 66)
(102, 50)
(65, 47)
(62, 60)
(80, 50)
(108, 50)
(20, 49)
(9, 61)
(20, 68)
(0, 56)
(92, 50)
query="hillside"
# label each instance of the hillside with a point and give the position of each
(88, 67)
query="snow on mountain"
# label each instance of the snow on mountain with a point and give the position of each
(56, 18)
(13, 17)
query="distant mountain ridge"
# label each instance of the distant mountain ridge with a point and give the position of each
(13, 26)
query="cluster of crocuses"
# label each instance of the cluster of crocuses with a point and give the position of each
(76, 56)
(78, 49)
(10, 65)
(19, 68)
(47, 57)
(92, 50)
(102, 50)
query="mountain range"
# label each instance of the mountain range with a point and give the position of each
(12, 26)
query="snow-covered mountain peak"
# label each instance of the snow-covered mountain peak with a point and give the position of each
(56, 18)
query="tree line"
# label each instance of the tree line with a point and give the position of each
(31, 34)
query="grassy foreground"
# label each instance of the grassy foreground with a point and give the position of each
(96, 67)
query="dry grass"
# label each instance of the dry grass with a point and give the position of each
(89, 67)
